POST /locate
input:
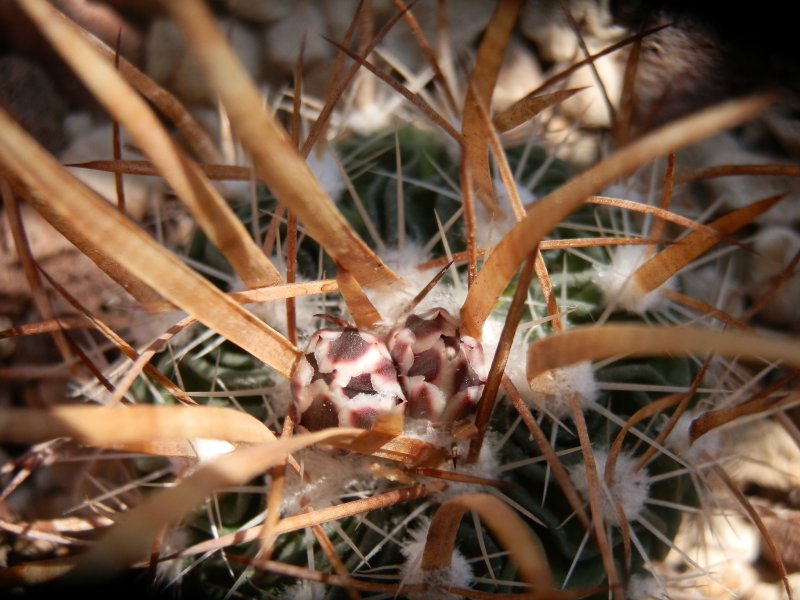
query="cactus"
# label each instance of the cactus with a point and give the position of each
(563, 397)
(527, 486)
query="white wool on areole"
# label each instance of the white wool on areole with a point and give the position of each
(325, 478)
(486, 467)
(304, 590)
(273, 313)
(428, 432)
(629, 488)
(552, 390)
(325, 167)
(391, 303)
(491, 227)
(645, 587)
(620, 288)
(459, 575)
(697, 452)
(516, 363)
(383, 403)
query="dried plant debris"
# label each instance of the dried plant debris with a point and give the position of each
(384, 315)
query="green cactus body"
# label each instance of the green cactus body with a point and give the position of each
(370, 545)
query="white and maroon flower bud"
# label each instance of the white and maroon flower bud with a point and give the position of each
(346, 378)
(441, 373)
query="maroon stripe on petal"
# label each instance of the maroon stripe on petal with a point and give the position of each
(428, 364)
(424, 330)
(464, 376)
(420, 404)
(386, 370)
(321, 414)
(452, 343)
(400, 343)
(326, 377)
(312, 360)
(363, 418)
(349, 346)
(360, 384)
(460, 405)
